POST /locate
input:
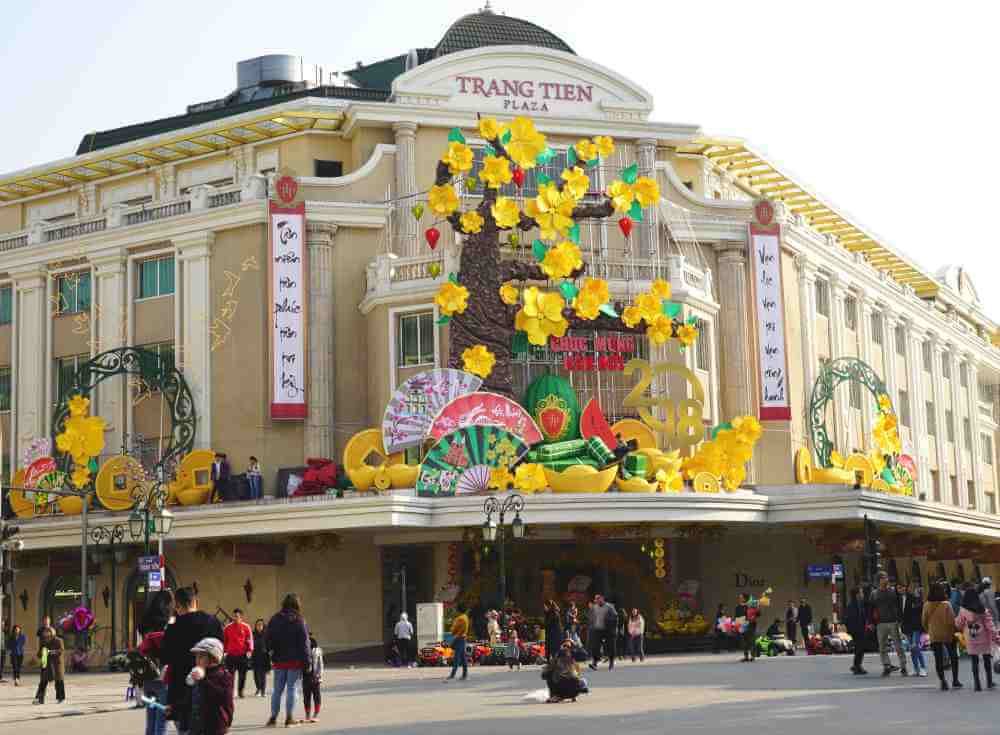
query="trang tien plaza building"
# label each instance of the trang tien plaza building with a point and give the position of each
(277, 274)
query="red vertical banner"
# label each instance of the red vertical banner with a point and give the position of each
(288, 299)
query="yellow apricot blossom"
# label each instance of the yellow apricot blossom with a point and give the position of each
(585, 150)
(660, 329)
(508, 294)
(478, 360)
(495, 172)
(605, 145)
(442, 199)
(471, 221)
(505, 212)
(646, 191)
(452, 298)
(621, 195)
(661, 288)
(631, 316)
(650, 306)
(489, 128)
(687, 334)
(576, 182)
(525, 142)
(459, 158)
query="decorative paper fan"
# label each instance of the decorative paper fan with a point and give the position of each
(461, 461)
(417, 401)
(486, 409)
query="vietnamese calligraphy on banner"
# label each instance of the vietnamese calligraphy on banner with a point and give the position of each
(765, 247)
(287, 272)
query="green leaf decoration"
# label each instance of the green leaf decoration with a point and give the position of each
(692, 320)
(453, 278)
(569, 290)
(489, 150)
(570, 157)
(609, 310)
(519, 345)
(888, 476)
(455, 136)
(92, 465)
(443, 319)
(505, 138)
(720, 427)
(574, 233)
(636, 211)
(543, 180)
(630, 174)
(538, 249)
(545, 156)
(593, 162)
(671, 309)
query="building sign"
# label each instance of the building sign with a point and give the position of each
(598, 352)
(155, 581)
(819, 571)
(524, 95)
(146, 564)
(765, 254)
(287, 281)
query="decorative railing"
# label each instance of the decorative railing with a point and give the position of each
(224, 199)
(152, 214)
(77, 229)
(13, 243)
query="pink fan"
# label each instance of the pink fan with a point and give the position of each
(473, 480)
(486, 409)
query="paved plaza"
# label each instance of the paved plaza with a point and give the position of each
(703, 693)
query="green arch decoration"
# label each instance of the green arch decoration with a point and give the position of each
(833, 373)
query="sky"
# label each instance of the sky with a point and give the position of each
(885, 108)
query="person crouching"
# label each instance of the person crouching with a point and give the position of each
(212, 696)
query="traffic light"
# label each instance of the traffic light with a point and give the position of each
(873, 551)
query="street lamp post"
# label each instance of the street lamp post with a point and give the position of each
(496, 511)
(112, 536)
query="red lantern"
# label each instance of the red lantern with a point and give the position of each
(433, 234)
(518, 175)
(625, 225)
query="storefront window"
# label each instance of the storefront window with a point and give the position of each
(416, 339)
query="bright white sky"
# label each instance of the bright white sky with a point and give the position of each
(885, 108)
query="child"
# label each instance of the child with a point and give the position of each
(212, 698)
(513, 649)
(312, 681)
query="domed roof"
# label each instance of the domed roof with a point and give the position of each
(486, 28)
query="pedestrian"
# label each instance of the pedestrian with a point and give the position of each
(554, 634)
(50, 655)
(46, 624)
(190, 626)
(603, 627)
(563, 675)
(792, 622)
(805, 615)
(16, 643)
(493, 627)
(989, 600)
(312, 682)
(288, 642)
(5, 636)
(886, 604)
(939, 622)
(513, 649)
(720, 635)
(403, 634)
(977, 623)
(856, 619)
(572, 620)
(238, 637)
(955, 595)
(746, 610)
(260, 659)
(211, 690)
(636, 634)
(911, 623)
(154, 688)
(459, 631)
(253, 478)
(220, 477)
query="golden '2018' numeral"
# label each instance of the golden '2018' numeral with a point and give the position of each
(682, 422)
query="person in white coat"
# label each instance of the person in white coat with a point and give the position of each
(403, 633)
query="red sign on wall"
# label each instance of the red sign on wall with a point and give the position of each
(599, 352)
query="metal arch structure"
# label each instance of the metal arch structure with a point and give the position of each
(835, 372)
(146, 365)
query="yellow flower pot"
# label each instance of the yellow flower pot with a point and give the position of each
(581, 479)
(636, 485)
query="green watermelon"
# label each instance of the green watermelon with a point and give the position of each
(551, 401)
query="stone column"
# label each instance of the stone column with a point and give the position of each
(975, 453)
(319, 440)
(889, 355)
(841, 403)
(406, 184)
(937, 391)
(868, 405)
(736, 377)
(958, 414)
(109, 333)
(32, 355)
(646, 154)
(918, 407)
(194, 253)
(807, 321)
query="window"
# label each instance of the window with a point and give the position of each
(823, 298)
(701, 361)
(329, 169)
(925, 348)
(877, 327)
(163, 360)
(987, 441)
(967, 434)
(63, 374)
(6, 305)
(985, 393)
(529, 188)
(971, 491)
(931, 419)
(851, 313)
(963, 374)
(904, 408)
(955, 499)
(946, 366)
(416, 339)
(156, 277)
(5, 389)
(900, 340)
(936, 485)
(74, 292)
(949, 421)
(855, 394)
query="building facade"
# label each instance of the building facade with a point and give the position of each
(156, 236)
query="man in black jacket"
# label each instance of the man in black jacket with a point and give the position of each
(805, 618)
(190, 626)
(856, 619)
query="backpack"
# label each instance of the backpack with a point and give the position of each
(141, 668)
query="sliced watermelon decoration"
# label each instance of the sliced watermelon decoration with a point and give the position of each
(551, 401)
(593, 423)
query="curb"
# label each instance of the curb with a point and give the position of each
(72, 713)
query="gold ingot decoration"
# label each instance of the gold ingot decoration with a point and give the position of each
(580, 479)
(803, 466)
(705, 482)
(382, 479)
(23, 507)
(859, 463)
(365, 455)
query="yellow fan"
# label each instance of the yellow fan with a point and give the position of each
(117, 481)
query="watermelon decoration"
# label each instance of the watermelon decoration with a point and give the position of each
(461, 462)
(551, 400)
(593, 423)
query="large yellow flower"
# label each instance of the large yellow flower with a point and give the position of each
(459, 158)
(471, 221)
(529, 477)
(82, 438)
(576, 182)
(552, 211)
(562, 260)
(886, 435)
(478, 360)
(500, 478)
(660, 329)
(733, 476)
(525, 142)
(508, 294)
(505, 212)
(884, 403)
(541, 316)
(605, 145)
(621, 195)
(586, 305)
(661, 288)
(650, 306)
(489, 128)
(80, 476)
(748, 427)
(495, 172)
(598, 287)
(687, 334)
(78, 405)
(631, 316)
(442, 199)
(586, 150)
(452, 298)
(646, 191)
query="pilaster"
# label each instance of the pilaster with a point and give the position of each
(109, 332)
(867, 404)
(646, 160)
(958, 414)
(406, 185)
(941, 442)
(194, 253)
(918, 406)
(841, 402)
(889, 360)
(977, 469)
(319, 439)
(31, 308)
(807, 309)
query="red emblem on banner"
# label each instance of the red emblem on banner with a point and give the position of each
(764, 212)
(287, 188)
